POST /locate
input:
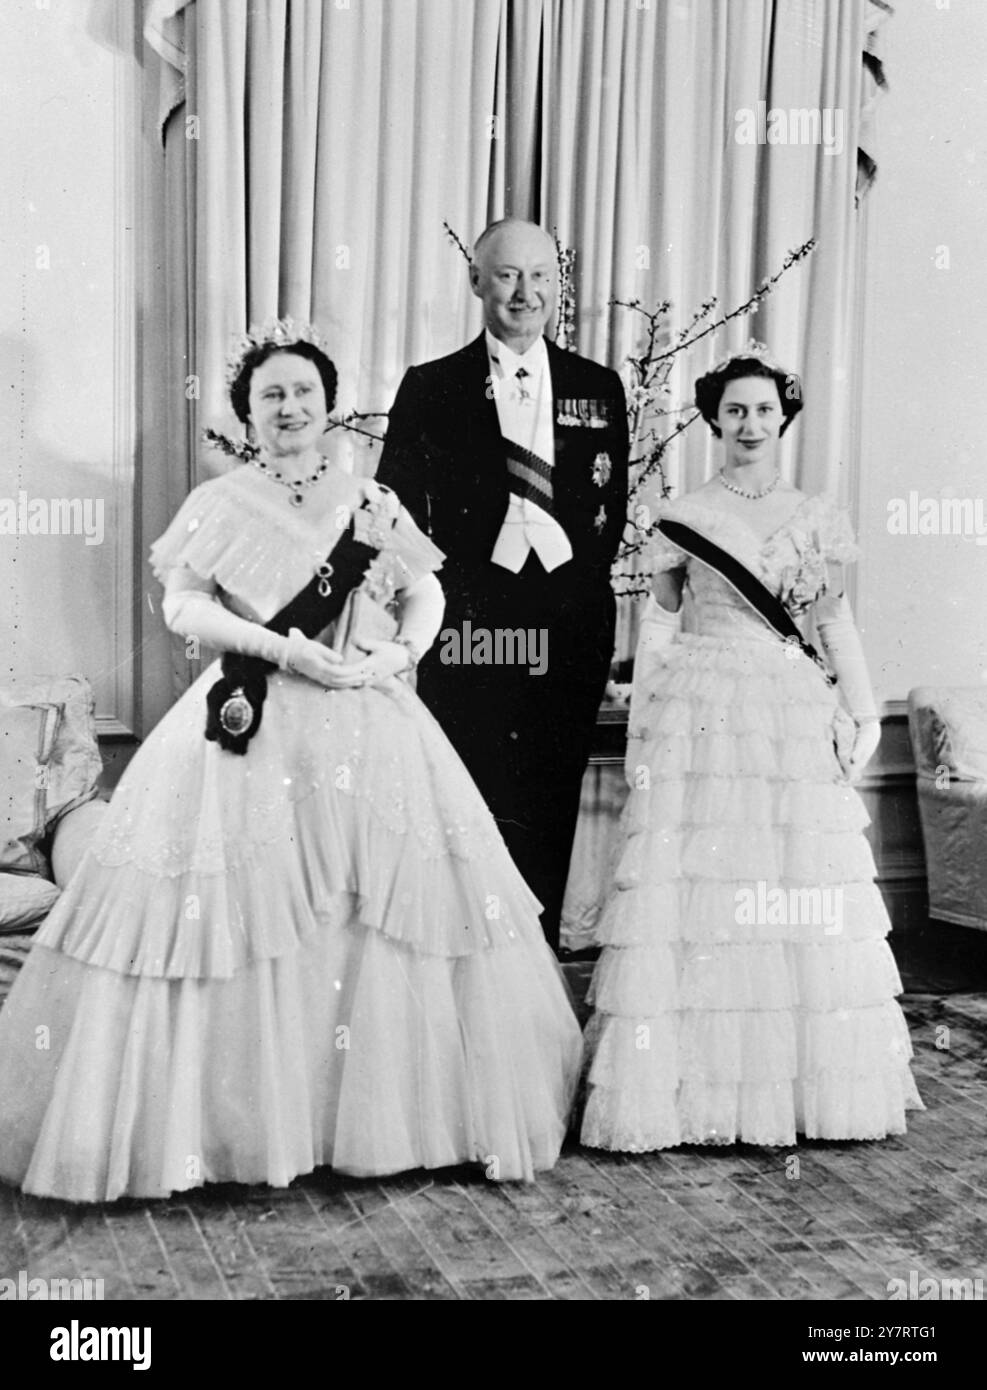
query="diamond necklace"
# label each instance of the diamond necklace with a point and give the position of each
(751, 496)
(294, 485)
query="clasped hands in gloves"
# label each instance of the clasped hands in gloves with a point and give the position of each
(328, 668)
(192, 609)
(421, 616)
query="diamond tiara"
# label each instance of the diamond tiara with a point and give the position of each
(753, 349)
(273, 332)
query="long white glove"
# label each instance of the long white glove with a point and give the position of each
(658, 630)
(422, 610)
(197, 613)
(840, 640)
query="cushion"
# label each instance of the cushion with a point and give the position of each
(49, 761)
(25, 900)
(959, 732)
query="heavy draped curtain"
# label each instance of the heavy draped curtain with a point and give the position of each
(313, 148)
(305, 154)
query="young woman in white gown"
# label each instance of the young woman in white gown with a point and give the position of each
(302, 940)
(745, 990)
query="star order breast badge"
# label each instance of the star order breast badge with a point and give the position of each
(602, 468)
(600, 520)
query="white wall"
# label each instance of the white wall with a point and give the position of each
(65, 351)
(922, 599)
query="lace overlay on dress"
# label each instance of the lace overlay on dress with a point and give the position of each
(715, 1021)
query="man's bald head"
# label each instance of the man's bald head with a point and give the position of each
(512, 226)
(514, 272)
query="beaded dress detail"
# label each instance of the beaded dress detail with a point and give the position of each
(319, 953)
(745, 990)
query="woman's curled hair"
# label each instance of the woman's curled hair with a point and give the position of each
(254, 357)
(710, 388)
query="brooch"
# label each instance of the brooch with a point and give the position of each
(593, 415)
(602, 468)
(324, 573)
(600, 520)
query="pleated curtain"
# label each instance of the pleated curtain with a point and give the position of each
(315, 147)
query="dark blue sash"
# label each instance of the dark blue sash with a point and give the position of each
(235, 704)
(745, 583)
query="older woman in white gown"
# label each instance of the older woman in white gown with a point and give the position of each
(299, 940)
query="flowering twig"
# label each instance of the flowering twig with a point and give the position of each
(750, 306)
(346, 422)
(245, 451)
(240, 449)
(565, 327)
(456, 242)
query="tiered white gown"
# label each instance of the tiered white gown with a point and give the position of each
(317, 953)
(723, 1012)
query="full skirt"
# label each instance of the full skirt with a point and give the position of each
(319, 953)
(745, 990)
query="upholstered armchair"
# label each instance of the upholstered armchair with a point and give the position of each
(49, 796)
(948, 726)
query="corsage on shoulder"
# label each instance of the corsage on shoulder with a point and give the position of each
(373, 522)
(805, 582)
(802, 585)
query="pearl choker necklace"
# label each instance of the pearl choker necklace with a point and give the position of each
(295, 485)
(751, 496)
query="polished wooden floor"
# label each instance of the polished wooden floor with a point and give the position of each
(823, 1221)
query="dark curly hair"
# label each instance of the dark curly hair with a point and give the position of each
(710, 388)
(240, 386)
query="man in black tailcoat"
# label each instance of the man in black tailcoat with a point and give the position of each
(512, 455)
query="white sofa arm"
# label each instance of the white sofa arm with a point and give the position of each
(954, 828)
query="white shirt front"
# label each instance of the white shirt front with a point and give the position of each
(524, 409)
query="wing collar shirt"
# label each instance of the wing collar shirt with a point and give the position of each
(524, 409)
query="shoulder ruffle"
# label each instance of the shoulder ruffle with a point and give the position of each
(407, 553)
(223, 532)
(662, 555)
(230, 531)
(832, 528)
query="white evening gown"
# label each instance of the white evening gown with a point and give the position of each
(714, 1023)
(316, 953)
